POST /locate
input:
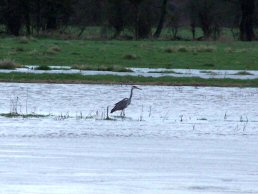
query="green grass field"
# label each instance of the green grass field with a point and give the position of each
(147, 53)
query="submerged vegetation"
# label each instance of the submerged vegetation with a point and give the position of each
(165, 71)
(102, 68)
(14, 115)
(16, 110)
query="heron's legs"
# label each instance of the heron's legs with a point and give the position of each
(122, 114)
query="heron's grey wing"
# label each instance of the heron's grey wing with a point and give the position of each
(120, 105)
(122, 101)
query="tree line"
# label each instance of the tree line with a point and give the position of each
(142, 18)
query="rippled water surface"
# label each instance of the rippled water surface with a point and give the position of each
(172, 140)
(155, 110)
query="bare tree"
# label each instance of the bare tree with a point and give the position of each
(136, 5)
(13, 15)
(116, 16)
(246, 24)
(163, 12)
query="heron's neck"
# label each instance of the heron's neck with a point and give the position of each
(131, 94)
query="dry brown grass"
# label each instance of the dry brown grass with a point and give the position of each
(130, 57)
(52, 50)
(193, 49)
(9, 64)
(24, 40)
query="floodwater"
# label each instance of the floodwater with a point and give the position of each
(148, 72)
(172, 140)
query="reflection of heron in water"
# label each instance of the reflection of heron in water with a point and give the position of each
(122, 105)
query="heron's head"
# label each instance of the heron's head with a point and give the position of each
(135, 87)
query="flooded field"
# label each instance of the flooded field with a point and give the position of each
(147, 72)
(172, 140)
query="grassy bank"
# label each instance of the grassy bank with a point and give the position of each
(153, 54)
(111, 79)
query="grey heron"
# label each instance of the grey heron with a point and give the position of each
(123, 104)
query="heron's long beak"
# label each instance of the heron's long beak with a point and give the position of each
(138, 88)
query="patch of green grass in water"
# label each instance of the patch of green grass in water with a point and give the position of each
(113, 79)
